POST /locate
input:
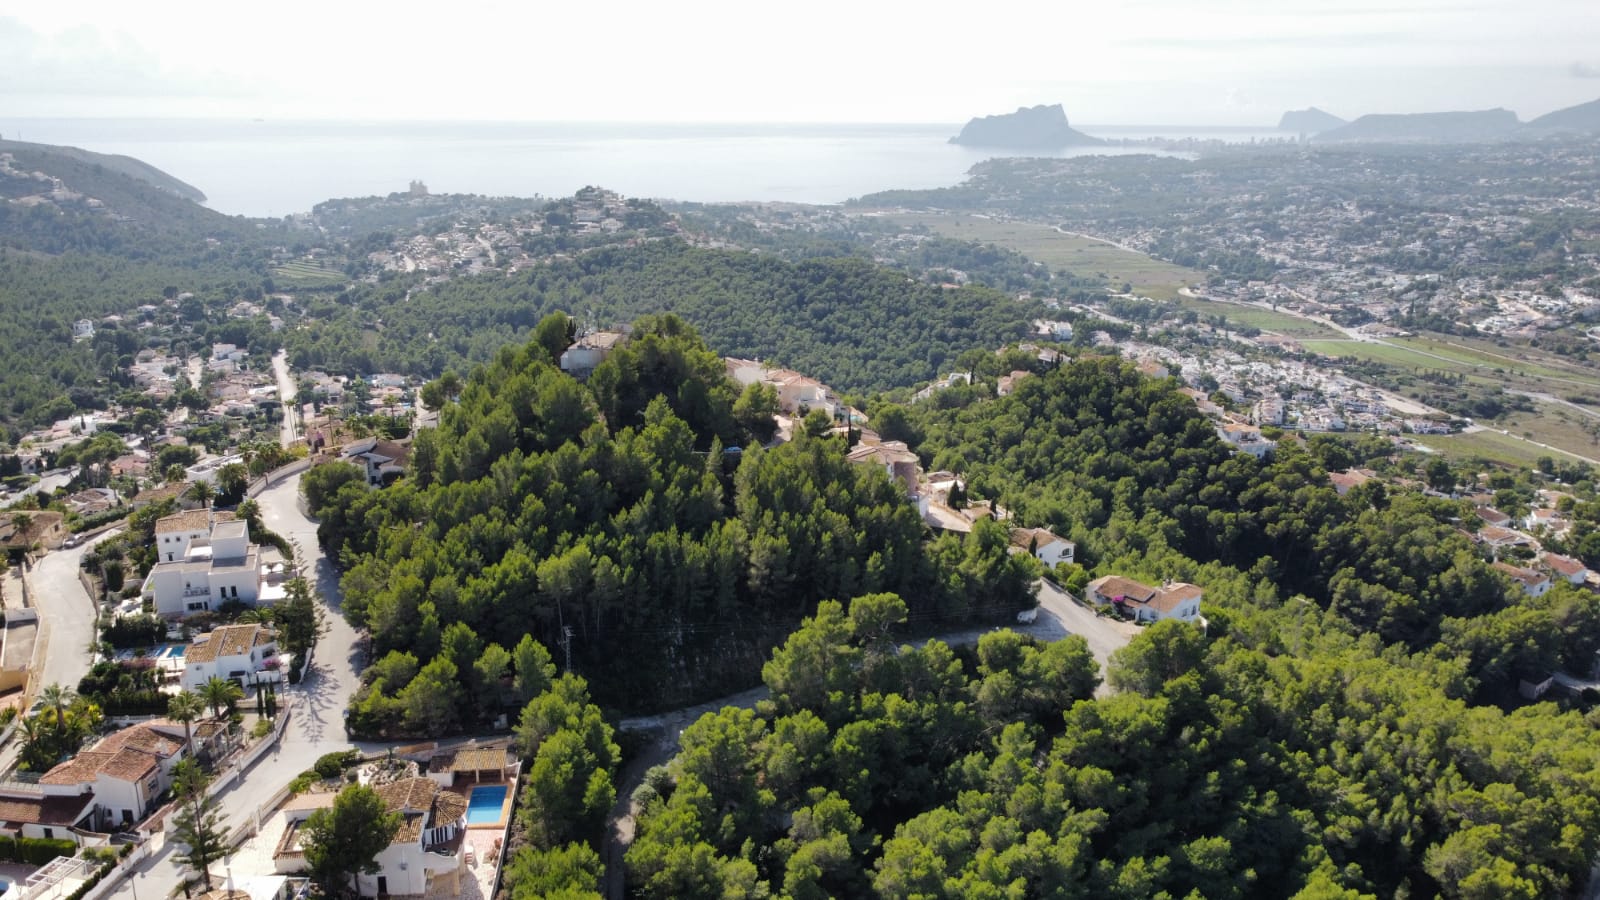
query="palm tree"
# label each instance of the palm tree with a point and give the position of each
(58, 698)
(202, 493)
(175, 474)
(185, 707)
(219, 693)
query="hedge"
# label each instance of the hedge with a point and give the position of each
(34, 851)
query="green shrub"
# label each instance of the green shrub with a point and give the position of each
(38, 851)
(261, 729)
(330, 765)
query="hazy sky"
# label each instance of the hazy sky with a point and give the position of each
(1133, 62)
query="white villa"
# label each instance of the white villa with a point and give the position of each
(206, 559)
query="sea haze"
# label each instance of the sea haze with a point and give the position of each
(274, 168)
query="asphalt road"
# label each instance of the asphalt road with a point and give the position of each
(316, 722)
(288, 431)
(66, 614)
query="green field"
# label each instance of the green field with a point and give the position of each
(1489, 445)
(302, 273)
(1384, 353)
(1084, 257)
(1256, 317)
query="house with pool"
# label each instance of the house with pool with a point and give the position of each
(455, 811)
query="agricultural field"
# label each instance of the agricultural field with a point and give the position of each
(1493, 446)
(1286, 324)
(1082, 256)
(306, 274)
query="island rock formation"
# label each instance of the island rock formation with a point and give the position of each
(1029, 128)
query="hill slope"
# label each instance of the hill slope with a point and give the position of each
(1585, 117)
(59, 199)
(1442, 127)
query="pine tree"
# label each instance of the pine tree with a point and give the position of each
(198, 825)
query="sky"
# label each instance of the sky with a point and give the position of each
(1204, 62)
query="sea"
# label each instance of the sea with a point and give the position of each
(271, 168)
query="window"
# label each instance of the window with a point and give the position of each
(49, 833)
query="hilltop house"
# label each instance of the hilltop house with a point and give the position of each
(247, 654)
(1045, 547)
(588, 352)
(895, 458)
(205, 559)
(1173, 600)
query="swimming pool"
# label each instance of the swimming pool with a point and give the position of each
(485, 803)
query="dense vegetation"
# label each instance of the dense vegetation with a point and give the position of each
(1221, 769)
(1126, 467)
(612, 512)
(1340, 729)
(845, 321)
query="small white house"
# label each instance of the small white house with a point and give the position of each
(246, 654)
(1174, 600)
(378, 459)
(1045, 547)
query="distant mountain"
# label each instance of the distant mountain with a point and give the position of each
(1585, 117)
(1309, 121)
(1439, 127)
(55, 199)
(1029, 128)
(123, 165)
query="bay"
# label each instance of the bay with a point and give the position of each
(276, 168)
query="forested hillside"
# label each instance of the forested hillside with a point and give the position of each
(1339, 728)
(844, 321)
(1127, 468)
(614, 509)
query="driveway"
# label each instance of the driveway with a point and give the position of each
(1060, 615)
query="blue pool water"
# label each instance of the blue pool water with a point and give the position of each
(483, 806)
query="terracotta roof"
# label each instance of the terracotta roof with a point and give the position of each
(424, 804)
(61, 811)
(1565, 566)
(1114, 586)
(129, 765)
(1528, 577)
(887, 453)
(1494, 534)
(229, 640)
(481, 760)
(1348, 480)
(192, 520)
(165, 492)
(1491, 515)
(80, 769)
(1022, 537)
(142, 738)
